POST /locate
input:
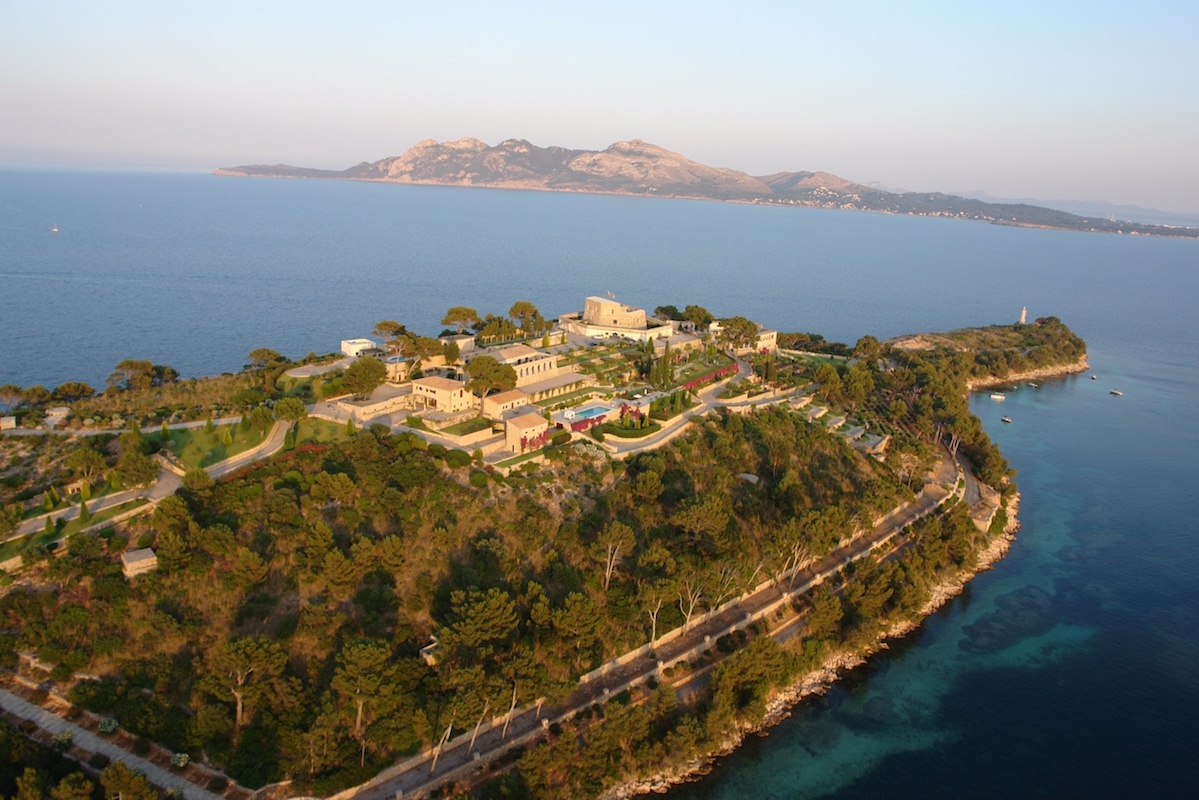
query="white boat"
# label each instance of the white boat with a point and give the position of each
(54, 229)
(999, 396)
(1033, 385)
(1117, 393)
(1005, 419)
(1094, 377)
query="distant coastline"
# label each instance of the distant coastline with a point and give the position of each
(640, 169)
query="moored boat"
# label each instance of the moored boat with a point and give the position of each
(998, 396)
(1005, 419)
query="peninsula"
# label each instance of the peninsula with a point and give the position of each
(575, 555)
(639, 168)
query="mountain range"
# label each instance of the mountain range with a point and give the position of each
(635, 167)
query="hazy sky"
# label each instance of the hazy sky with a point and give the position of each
(1077, 100)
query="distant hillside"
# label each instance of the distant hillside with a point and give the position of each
(1100, 208)
(640, 168)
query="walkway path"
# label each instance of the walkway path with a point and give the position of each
(317, 369)
(166, 483)
(92, 743)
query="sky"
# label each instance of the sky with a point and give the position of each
(1061, 100)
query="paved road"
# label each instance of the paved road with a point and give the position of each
(272, 444)
(97, 744)
(416, 776)
(167, 482)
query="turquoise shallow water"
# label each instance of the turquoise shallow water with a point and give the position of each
(1067, 671)
(1095, 692)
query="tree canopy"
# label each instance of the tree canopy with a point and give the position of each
(738, 332)
(488, 375)
(460, 317)
(363, 376)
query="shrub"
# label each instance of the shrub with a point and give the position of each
(108, 725)
(560, 438)
(62, 740)
(197, 480)
(219, 783)
(456, 459)
(180, 760)
(478, 479)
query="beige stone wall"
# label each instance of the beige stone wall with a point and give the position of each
(435, 397)
(598, 311)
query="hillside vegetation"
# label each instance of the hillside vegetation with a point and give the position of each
(281, 635)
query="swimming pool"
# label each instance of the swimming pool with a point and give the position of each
(593, 411)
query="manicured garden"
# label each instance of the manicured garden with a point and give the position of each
(473, 425)
(201, 447)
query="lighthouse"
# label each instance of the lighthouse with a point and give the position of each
(1024, 316)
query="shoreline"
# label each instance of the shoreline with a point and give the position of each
(820, 679)
(991, 381)
(1184, 232)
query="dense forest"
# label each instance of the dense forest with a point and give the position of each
(280, 636)
(327, 569)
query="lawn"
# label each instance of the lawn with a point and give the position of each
(76, 525)
(617, 430)
(512, 462)
(466, 428)
(321, 431)
(41, 538)
(697, 368)
(198, 448)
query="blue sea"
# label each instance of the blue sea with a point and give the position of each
(1069, 670)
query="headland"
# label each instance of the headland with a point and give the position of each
(576, 551)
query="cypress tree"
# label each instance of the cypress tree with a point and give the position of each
(350, 427)
(289, 440)
(226, 437)
(209, 426)
(166, 432)
(84, 514)
(85, 491)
